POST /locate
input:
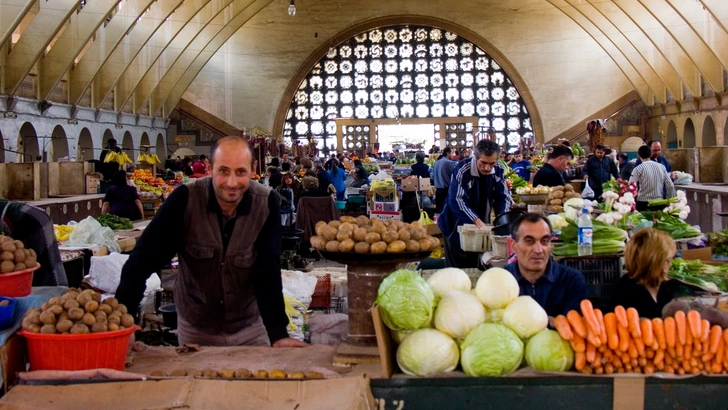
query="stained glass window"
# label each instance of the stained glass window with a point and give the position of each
(405, 72)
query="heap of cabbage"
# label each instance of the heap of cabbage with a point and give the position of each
(488, 330)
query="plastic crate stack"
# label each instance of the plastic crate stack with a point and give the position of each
(602, 274)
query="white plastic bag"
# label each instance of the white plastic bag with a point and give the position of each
(299, 284)
(90, 232)
(588, 192)
(105, 271)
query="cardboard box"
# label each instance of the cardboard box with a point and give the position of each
(433, 229)
(409, 185)
(424, 184)
(702, 254)
(349, 393)
(397, 216)
(93, 183)
(385, 206)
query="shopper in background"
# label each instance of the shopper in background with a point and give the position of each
(274, 176)
(186, 167)
(478, 187)
(122, 199)
(109, 168)
(655, 155)
(227, 234)
(648, 256)
(557, 288)
(521, 166)
(441, 174)
(625, 166)
(338, 176)
(600, 169)
(323, 177)
(360, 174)
(170, 164)
(552, 172)
(652, 180)
(199, 166)
(420, 169)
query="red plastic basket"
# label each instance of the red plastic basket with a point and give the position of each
(321, 297)
(17, 284)
(105, 350)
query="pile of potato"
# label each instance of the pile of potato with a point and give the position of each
(238, 374)
(558, 196)
(362, 235)
(78, 312)
(15, 257)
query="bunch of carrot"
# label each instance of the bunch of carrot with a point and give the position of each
(621, 342)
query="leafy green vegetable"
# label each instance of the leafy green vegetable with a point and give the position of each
(601, 230)
(406, 302)
(491, 349)
(427, 352)
(547, 351)
(612, 185)
(674, 226)
(115, 222)
(719, 242)
(599, 247)
(699, 273)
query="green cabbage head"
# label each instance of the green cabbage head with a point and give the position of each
(491, 349)
(547, 351)
(405, 301)
(427, 352)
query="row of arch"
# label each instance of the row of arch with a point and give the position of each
(708, 135)
(31, 146)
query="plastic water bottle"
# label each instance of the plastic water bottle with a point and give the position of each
(585, 233)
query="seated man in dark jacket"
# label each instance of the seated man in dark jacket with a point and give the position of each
(557, 288)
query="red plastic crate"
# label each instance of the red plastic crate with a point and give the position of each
(105, 350)
(321, 297)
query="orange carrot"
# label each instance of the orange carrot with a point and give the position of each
(659, 328)
(580, 361)
(704, 330)
(669, 369)
(610, 326)
(694, 323)
(725, 336)
(577, 323)
(621, 316)
(587, 311)
(649, 368)
(670, 331)
(707, 357)
(633, 319)
(563, 327)
(578, 344)
(633, 353)
(623, 337)
(591, 352)
(592, 338)
(608, 368)
(640, 345)
(679, 351)
(681, 326)
(719, 355)
(648, 336)
(602, 330)
(688, 352)
(689, 337)
(659, 356)
(616, 361)
(717, 367)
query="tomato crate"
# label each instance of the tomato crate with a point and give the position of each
(602, 272)
(321, 297)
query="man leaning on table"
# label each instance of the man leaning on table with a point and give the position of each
(557, 288)
(226, 231)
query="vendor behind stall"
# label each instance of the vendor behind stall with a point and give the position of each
(648, 256)
(122, 199)
(557, 288)
(552, 172)
(478, 186)
(226, 231)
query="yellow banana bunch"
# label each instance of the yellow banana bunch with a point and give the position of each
(438, 253)
(62, 232)
(111, 156)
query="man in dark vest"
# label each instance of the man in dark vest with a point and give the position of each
(226, 231)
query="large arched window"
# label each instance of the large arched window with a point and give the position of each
(407, 72)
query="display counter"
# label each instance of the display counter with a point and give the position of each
(708, 205)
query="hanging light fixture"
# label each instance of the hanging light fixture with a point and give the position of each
(292, 8)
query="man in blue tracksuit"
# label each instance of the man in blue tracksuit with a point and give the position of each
(477, 186)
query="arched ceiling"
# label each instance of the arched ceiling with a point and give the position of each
(237, 58)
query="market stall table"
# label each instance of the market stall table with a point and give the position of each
(365, 273)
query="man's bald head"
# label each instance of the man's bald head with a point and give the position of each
(230, 142)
